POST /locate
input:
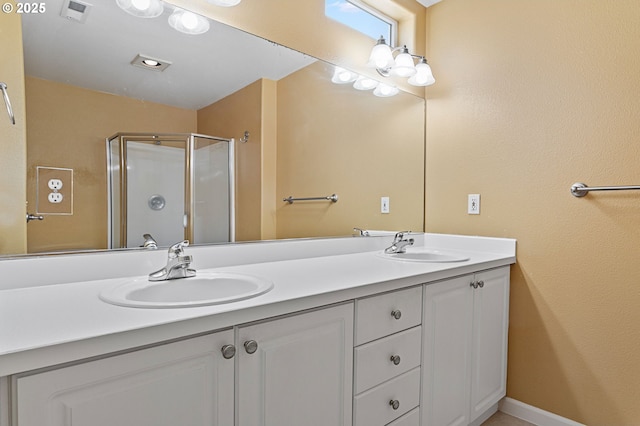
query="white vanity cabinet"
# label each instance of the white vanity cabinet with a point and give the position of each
(464, 347)
(387, 358)
(297, 370)
(186, 383)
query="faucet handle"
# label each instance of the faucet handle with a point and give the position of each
(178, 248)
(400, 235)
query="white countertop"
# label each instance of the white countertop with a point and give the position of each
(50, 324)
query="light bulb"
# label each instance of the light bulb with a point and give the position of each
(385, 91)
(141, 4)
(423, 76)
(404, 64)
(381, 57)
(343, 76)
(365, 83)
(141, 8)
(188, 22)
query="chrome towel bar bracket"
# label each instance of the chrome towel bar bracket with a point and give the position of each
(7, 102)
(333, 198)
(580, 189)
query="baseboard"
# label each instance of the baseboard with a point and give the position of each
(533, 415)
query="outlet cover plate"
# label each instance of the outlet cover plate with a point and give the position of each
(43, 190)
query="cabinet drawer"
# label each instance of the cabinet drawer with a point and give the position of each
(388, 313)
(373, 407)
(374, 363)
(412, 418)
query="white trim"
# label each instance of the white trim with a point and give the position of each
(533, 415)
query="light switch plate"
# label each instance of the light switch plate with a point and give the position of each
(473, 206)
(384, 205)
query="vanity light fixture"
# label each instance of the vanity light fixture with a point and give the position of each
(188, 22)
(402, 65)
(343, 76)
(383, 90)
(365, 83)
(149, 63)
(224, 3)
(142, 8)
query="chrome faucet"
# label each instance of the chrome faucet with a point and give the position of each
(149, 242)
(177, 264)
(399, 244)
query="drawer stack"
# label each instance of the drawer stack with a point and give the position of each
(387, 355)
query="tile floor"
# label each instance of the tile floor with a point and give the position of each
(502, 419)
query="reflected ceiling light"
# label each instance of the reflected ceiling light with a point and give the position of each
(224, 3)
(142, 8)
(384, 90)
(188, 22)
(402, 65)
(365, 83)
(343, 76)
(149, 63)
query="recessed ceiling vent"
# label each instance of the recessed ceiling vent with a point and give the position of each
(75, 10)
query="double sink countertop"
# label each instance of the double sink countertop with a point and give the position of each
(51, 314)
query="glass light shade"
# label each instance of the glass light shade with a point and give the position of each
(404, 65)
(343, 76)
(381, 56)
(142, 8)
(224, 3)
(365, 83)
(385, 91)
(188, 22)
(423, 76)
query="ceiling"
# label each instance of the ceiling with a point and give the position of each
(97, 54)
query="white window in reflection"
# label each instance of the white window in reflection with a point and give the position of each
(362, 18)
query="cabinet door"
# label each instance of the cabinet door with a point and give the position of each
(300, 372)
(448, 308)
(182, 383)
(490, 326)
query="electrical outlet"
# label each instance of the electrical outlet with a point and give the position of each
(55, 184)
(55, 197)
(384, 205)
(473, 206)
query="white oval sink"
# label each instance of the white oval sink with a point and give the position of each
(206, 288)
(429, 256)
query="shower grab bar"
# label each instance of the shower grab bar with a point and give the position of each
(333, 198)
(580, 189)
(7, 102)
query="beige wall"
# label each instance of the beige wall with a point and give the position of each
(13, 230)
(531, 97)
(334, 139)
(230, 118)
(67, 128)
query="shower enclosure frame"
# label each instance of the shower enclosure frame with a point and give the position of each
(189, 199)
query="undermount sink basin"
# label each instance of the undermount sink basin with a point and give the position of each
(206, 288)
(423, 255)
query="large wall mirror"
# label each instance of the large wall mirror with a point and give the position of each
(296, 132)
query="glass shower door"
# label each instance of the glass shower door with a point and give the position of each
(212, 193)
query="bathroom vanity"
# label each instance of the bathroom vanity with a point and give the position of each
(346, 336)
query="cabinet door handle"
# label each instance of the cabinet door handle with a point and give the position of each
(480, 283)
(228, 351)
(395, 359)
(251, 346)
(395, 404)
(474, 284)
(396, 314)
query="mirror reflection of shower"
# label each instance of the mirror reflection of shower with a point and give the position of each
(173, 186)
